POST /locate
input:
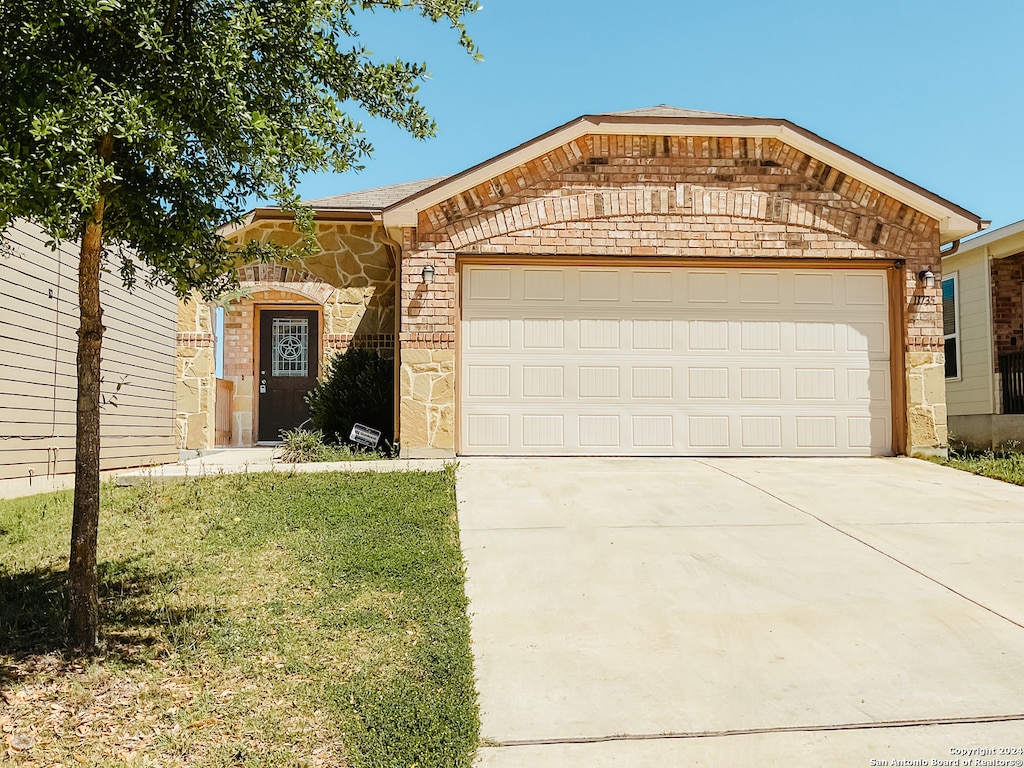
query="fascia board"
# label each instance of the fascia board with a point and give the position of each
(954, 222)
(1002, 242)
(276, 214)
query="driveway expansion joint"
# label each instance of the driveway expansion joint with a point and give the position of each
(870, 546)
(669, 736)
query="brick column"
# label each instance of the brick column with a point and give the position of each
(427, 342)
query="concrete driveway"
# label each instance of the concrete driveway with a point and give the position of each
(652, 612)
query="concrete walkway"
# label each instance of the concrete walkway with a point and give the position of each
(225, 461)
(636, 612)
(219, 461)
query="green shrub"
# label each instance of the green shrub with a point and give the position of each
(302, 445)
(358, 386)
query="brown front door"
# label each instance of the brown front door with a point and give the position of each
(288, 366)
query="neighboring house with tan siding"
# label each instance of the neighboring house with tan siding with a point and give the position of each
(983, 294)
(660, 281)
(38, 381)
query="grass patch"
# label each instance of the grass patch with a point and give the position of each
(250, 620)
(1005, 465)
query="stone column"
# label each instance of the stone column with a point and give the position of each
(196, 379)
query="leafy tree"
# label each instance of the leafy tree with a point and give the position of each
(145, 126)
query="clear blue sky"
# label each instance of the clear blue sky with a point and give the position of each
(929, 89)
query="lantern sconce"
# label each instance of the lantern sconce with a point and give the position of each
(926, 277)
(428, 274)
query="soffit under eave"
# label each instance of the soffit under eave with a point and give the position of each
(264, 215)
(954, 222)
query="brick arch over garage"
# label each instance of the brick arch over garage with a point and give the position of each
(676, 206)
(603, 177)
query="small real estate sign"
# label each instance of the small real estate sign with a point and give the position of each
(365, 436)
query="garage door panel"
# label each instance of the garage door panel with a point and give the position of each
(543, 430)
(816, 287)
(708, 287)
(599, 285)
(865, 289)
(489, 333)
(599, 431)
(543, 285)
(488, 431)
(759, 288)
(760, 383)
(489, 284)
(652, 287)
(543, 381)
(676, 361)
(870, 337)
(543, 333)
(760, 433)
(652, 383)
(814, 336)
(652, 334)
(708, 335)
(488, 381)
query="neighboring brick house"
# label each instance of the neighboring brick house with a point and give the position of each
(983, 294)
(652, 282)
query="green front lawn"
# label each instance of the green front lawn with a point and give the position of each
(251, 620)
(1005, 465)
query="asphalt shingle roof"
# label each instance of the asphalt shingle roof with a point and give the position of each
(375, 199)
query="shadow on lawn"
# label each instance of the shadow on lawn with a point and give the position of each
(133, 607)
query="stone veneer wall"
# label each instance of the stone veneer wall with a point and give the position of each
(662, 196)
(343, 316)
(351, 281)
(196, 378)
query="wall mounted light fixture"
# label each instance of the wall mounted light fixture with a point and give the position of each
(428, 273)
(926, 277)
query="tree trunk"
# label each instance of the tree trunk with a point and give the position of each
(83, 592)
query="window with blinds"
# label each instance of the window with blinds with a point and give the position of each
(951, 326)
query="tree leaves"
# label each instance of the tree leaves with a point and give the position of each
(210, 103)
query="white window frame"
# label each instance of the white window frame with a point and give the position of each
(956, 335)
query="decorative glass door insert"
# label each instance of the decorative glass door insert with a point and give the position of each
(289, 347)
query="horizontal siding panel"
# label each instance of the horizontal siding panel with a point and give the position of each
(40, 461)
(16, 307)
(16, 348)
(36, 269)
(116, 364)
(972, 392)
(124, 416)
(22, 376)
(122, 306)
(38, 381)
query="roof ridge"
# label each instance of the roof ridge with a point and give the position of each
(668, 110)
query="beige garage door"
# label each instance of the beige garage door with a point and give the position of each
(674, 361)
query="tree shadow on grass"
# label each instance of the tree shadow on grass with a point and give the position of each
(134, 614)
(33, 611)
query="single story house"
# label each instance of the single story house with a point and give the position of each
(983, 315)
(38, 377)
(659, 281)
